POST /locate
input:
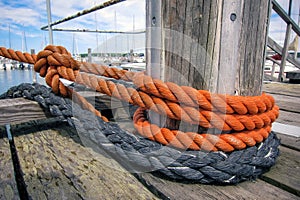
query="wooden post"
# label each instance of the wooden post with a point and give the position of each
(215, 45)
(154, 48)
(131, 55)
(89, 55)
(285, 45)
(273, 70)
(284, 52)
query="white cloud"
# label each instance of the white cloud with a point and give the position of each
(32, 14)
(21, 16)
(277, 28)
(125, 12)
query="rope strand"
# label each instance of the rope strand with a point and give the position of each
(248, 118)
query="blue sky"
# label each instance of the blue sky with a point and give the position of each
(25, 17)
(277, 26)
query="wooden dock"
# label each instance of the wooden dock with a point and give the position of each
(55, 165)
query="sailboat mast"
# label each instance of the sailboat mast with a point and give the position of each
(24, 43)
(96, 23)
(9, 39)
(115, 35)
(133, 29)
(73, 45)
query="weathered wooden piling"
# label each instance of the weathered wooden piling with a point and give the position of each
(208, 44)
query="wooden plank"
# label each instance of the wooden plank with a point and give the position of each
(289, 141)
(283, 89)
(288, 103)
(286, 172)
(8, 186)
(55, 166)
(246, 190)
(19, 110)
(286, 129)
(289, 118)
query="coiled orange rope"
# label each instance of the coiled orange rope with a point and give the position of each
(248, 118)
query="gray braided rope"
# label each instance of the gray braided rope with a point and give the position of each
(140, 154)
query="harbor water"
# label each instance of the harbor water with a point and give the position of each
(9, 78)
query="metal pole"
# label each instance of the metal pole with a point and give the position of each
(32, 51)
(9, 39)
(49, 22)
(290, 8)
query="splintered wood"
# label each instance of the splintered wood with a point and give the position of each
(55, 166)
(19, 110)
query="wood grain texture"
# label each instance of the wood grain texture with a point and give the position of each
(289, 141)
(246, 190)
(203, 47)
(284, 52)
(287, 97)
(288, 103)
(252, 47)
(286, 172)
(8, 186)
(19, 110)
(290, 118)
(56, 167)
(282, 89)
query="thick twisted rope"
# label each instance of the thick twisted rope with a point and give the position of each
(17, 55)
(139, 154)
(202, 98)
(196, 141)
(233, 113)
(46, 63)
(173, 110)
(170, 91)
(206, 119)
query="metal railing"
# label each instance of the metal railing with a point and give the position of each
(283, 51)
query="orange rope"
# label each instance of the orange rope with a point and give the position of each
(251, 115)
(17, 55)
(196, 141)
(204, 118)
(45, 63)
(202, 98)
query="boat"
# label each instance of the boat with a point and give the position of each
(135, 67)
(274, 60)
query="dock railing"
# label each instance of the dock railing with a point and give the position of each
(283, 51)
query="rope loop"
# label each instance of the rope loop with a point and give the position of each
(246, 120)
